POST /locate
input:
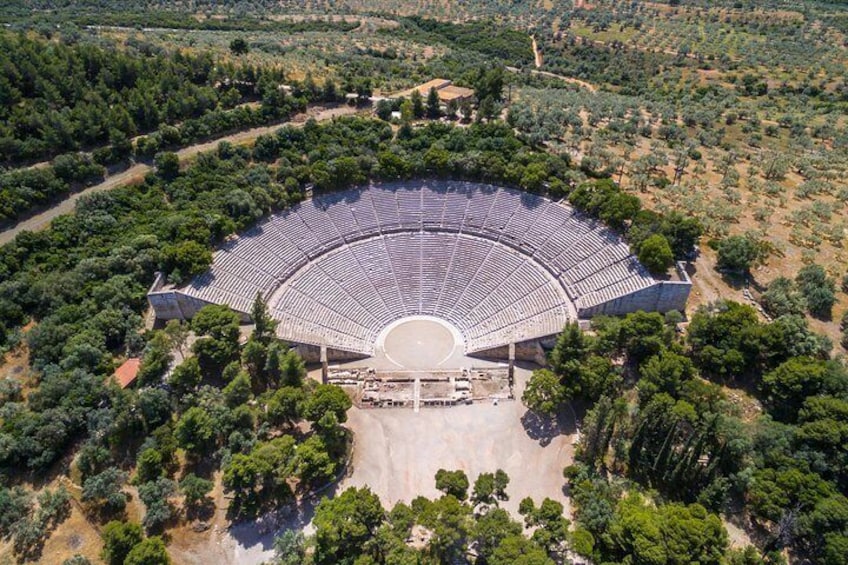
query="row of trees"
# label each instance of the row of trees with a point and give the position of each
(354, 527)
(140, 16)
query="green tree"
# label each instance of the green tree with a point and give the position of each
(155, 360)
(489, 83)
(655, 253)
(572, 345)
(216, 321)
(783, 298)
(618, 208)
(417, 105)
(314, 464)
(384, 110)
(178, 333)
(818, 290)
(721, 338)
(290, 548)
(344, 524)
(195, 431)
(292, 370)
(739, 253)
(682, 232)
(454, 483)
(466, 110)
(550, 523)
(329, 93)
(254, 357)
(196, 490)
(591, 379)
(599, 426)
(407, 111)
(642, 334)
(327, 398)
(118, 540)
(219, 345)
(238, 46)
(102, 492)
(167, 165)
(185, 377)
(450, 522)
(155, 495)
(263, 324)
(285, 406)
(544, 393)
(491, 529)
(277, 459)
(149, 465)
(238, 390)
(184, 260)
(151, 551)
(518, 550)
(501, 482)
(242, 476)
(452, 108)
(670, 534)
(791, 383)
(665, 372)
(490, 487)
(434, 110)
(774, 494)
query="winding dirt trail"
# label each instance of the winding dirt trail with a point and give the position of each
(582, 83)
(576, 81)
(135, 174)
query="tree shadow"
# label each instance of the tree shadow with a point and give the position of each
(202, 511)
(733, 279)
(545, 428)
(264, 529)
(203, 467)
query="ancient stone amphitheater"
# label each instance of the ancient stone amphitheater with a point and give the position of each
(502, 266)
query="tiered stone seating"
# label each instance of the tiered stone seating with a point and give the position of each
(500, 264)
(337, 291)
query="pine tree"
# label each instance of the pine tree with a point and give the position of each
(264, 325)
(417, 105)
(570, 346)
(434, 111)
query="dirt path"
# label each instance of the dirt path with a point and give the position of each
(581, 83)
(537, 56)
(136, 173)
(707, 284)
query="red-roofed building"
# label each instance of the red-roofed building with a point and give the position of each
(125, 374)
